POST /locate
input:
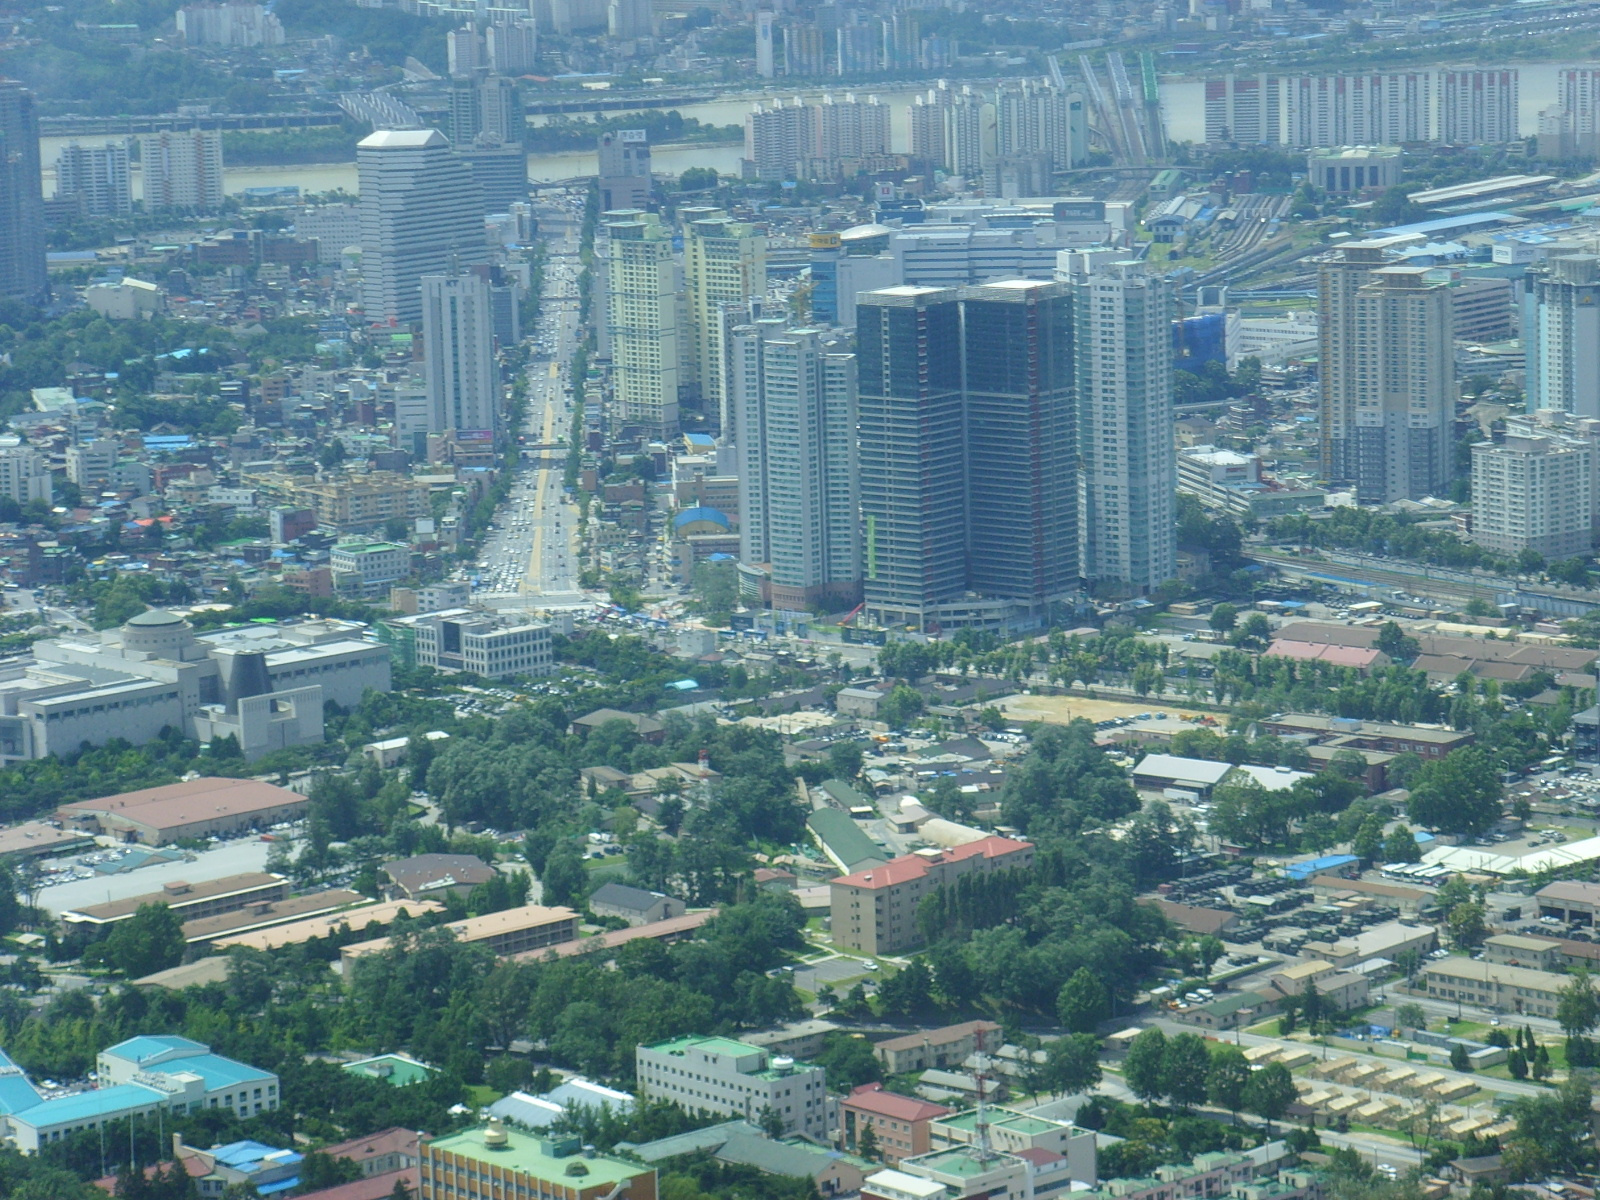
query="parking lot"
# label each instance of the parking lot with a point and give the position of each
(230, 858)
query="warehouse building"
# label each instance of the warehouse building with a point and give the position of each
(196, 808)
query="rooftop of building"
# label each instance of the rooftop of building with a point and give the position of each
(875, 1098)
(937, 1037)
(529, 1155)
(915, 866)
(190, 801)
(175, 894)
(92, 1105)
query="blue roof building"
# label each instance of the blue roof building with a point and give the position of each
(16, 1093)
(139, 1075)
(1328, 864)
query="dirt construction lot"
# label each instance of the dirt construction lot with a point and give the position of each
(1060, 710)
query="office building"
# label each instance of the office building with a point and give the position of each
(486, 644)
(874, 910)
(1344, 170)
(332, 226)
(181, 170)
(766, 63)
(899, 1123)
(495, 1163)
(510, 931)
(143, 1075)
(724, 269)
(1388, 375)
(1244, 109)
(421, 214)
(1123, 360)
(643, 290)
(511, 46)
(1561, 334)
(1478, 107)
(462, 377)
(1022, 454)
(24, 475)
(778, 137)
(720, 1075)
(22, 239)
(190, 902)
(499, 172)
(794, 395)
(368, 569)
(624, 170)
(98, 176)
(263, 683)
(912, 452)
(92, 465)
(1534, 492)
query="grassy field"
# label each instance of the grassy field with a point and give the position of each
(1062, 710)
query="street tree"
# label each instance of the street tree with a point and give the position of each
(1142, 1067)
(1227, 1079)
(1270, 1092)
(1083, 1002)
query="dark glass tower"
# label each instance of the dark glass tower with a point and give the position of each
(912, 452)
(22, 245)
(1022, 454)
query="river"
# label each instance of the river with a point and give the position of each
(1182, 103)
(542, 168)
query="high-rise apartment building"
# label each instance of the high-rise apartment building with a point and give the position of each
(912, 452)
(181, 169)
(1388, 375)
(230, 24)
(856, 48)
(511, 46)
(1478, 107)
(795, 396)
(99, 176)
(629, 19)
(1036, 118)
(484, 106)
(1022, 454)
(464, 50)
(421, 214)
(724, 264)
(643, 302)
(851, 128)
(927, 124)
(1122, 345)
(1384, 108)
(778, 136)
(969, 134)
(1533, 492)
(803, 52)
(624, 169)
(458, 354)
(1561, 334)
(1247, 109)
